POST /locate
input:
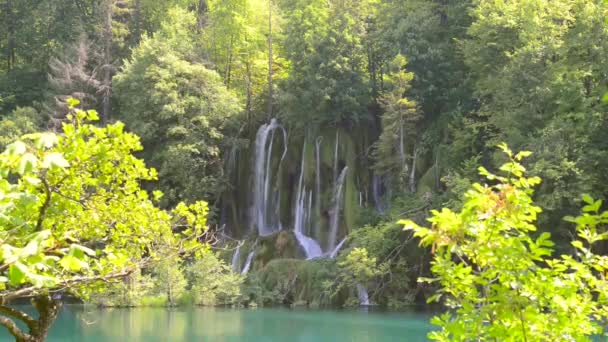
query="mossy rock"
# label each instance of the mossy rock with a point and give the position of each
(296, 281)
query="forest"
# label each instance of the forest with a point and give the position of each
(260, 153)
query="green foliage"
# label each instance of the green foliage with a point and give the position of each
(17, 123)
(181, 110)
(500, 280)
(74, 218)
(399, 119)
(323, 44)
(213, 282)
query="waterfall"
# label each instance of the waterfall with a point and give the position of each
(335, 218)
(377, 193)
(302, 215)
(248, 262)
(334, 252)
(318, 186)
(265, 221)
(402, 146)
(363, 296)
(236, 259)
(413, 173)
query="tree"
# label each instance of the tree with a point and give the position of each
(17, 123)
(326, 83)
(73, 217)
(502, 283)
(180, 108)
(399, 118)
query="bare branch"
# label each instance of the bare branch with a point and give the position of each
(14, 329)
(20, 315)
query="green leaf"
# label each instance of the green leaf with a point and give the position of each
(17, 273)
(32, 180)
(84, 249)
(72, 263)
(55, 159)
(72, 102)
(578, 244)
(47, 140)
(18, 147)
(587, 199)
(27, 163)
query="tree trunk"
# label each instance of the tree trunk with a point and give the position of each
(202, 14)
(107, 60)
(47, 308)
(137, 22)
(270, 87)
(10, 35)
(228, 71)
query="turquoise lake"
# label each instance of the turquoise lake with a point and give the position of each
(77, 323)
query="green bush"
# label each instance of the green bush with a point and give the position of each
(501, 280)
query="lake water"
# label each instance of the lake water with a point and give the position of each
(77, 323)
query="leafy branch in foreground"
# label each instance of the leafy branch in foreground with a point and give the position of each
(503, 284)
(73, 218)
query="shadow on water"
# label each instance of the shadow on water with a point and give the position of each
(80, 323)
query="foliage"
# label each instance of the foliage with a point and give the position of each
(181, 110)
(19, 122)
(323, 44)
(73, 215)
(213, 282)
(503, 283)
(399, 119)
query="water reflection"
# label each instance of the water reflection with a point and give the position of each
(78, 323)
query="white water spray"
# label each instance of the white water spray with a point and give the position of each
(248, 262)
(334, 253)
(335, 218)
(302, 215)
(236, 259)
(363, 295)
(265, 220)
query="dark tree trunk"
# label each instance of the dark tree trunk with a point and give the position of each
(38, 330)
(10, 34)
(137, 22)
(202, 13)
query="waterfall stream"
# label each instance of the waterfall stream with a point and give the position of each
(334, 253)
(236, 259)
(302, 214)
(363, 295)
(248, 262)
(335, 215)
(266, 220)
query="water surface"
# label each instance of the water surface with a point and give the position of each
(78, 323)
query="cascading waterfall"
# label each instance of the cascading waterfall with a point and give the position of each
(335, 217)
(334, 253)
(377, 193)
(318, 186)
(236, 258)
(267, 222)
(302, 215)
(248, 262)
(363, 295)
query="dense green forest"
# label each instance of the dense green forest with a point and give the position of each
(310, 127)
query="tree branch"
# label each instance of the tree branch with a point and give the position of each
(32, 290)
(14, 329)
(20, 315)
(45, 205)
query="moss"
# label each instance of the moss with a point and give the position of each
(296, 281)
